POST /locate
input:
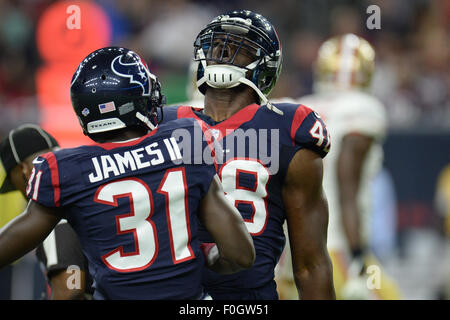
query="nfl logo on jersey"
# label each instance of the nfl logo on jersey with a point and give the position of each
(215, 133)
(107, 107)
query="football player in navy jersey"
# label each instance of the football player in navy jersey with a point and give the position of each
(271, 159)
(135, 198)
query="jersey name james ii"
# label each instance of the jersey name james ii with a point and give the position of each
(134, 208)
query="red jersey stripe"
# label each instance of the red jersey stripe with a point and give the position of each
(300, 114)
(53, 165)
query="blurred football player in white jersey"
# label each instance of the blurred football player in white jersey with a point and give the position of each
(357, 124)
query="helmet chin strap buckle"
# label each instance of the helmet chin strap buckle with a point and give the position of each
(145, 120)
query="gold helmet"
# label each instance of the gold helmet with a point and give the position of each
(345, 62)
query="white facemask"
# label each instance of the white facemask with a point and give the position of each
(223, 76)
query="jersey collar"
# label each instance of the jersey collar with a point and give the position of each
(224, 127)
(127, 143)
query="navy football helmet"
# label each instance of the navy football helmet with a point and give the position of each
(114, 89)
(245, 30)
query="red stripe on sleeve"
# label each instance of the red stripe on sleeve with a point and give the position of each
(300, 114)
(53, 165)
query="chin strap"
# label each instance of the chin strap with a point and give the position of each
(264, 100)
(221, 76)
(145, 120)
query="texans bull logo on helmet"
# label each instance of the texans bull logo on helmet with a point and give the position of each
(139, 77)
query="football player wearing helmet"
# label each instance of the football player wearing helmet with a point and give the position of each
(134, 197)
(357, 124)
(239, 60)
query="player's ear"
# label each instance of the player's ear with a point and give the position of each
(26, 169)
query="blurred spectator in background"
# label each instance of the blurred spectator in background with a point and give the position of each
(167, 41)
(442, 203)
(414, 74)
(168, 36)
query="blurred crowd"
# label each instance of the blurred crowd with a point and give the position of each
(412, 72)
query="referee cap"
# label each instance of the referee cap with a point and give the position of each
(19, 144)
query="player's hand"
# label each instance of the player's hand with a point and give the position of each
(356, 287)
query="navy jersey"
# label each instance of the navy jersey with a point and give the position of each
(134, 207)
(257, 146)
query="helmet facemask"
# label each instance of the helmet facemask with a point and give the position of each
(233, 52)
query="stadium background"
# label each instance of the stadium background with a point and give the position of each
(41, 45)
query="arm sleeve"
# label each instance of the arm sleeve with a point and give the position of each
(309, 131)
(44, 184)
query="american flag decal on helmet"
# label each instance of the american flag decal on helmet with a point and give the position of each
(107, 107)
